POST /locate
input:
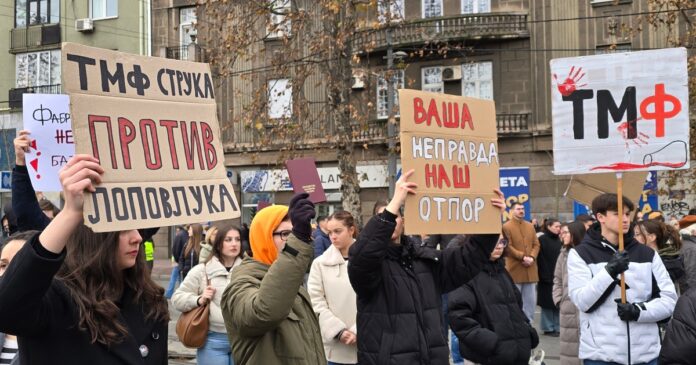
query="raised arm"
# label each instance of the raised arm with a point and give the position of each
(369, 250)
(24, 203)
(26, 303)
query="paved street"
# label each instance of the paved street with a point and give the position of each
(179, 355)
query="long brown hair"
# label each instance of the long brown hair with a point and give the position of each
(665, 235)
(194, 241)
(91, 274)
(220, 239)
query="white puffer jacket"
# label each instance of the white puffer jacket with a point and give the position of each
(192, 287)
(603, 335)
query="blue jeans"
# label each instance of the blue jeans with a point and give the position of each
(216, 350)
(456, 356)
(550, 321)
(597, 362)
(172, 282)
(528, 291)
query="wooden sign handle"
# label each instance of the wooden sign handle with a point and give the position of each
(619, 196)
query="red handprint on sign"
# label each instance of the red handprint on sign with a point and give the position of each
(570, 84)
(640, 140)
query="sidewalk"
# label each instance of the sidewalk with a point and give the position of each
(178, 354)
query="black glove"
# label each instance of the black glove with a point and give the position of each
(301, 213)
(627, 311)
(617, 264)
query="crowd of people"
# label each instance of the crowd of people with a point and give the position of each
(282, 292)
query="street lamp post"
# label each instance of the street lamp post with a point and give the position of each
(391, 123)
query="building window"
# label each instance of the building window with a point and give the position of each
(619, 48)
(383, 93)
(103, 9)
(432, 8)
(37, 68)
(280, 25)
(279, 98)
(187, 28)
(477, 80)
(35, 12)
(432, 79)
(476, 6)
(390, 10)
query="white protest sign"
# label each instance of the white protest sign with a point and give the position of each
(47, 117)
(620, 112)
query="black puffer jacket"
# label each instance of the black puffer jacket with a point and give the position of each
(486, 315)
(680, 337)
(399, 290)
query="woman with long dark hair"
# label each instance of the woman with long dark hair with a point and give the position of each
(73, 296)
(193, 292)
(571, 235)
(192, 250)
(666, 240)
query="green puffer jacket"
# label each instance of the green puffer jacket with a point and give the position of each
(269, 315)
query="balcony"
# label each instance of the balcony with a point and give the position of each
(191, 52)
(34, 38)
(15, 95)
(375, 131)
(442, 29)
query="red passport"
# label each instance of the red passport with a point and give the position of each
(304, 177)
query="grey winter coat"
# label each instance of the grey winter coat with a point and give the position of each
(570, 327)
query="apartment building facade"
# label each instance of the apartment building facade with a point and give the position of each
(491, 49)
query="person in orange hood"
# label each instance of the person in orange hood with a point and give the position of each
(268, 314)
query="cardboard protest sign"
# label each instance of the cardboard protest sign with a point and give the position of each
(451, 142)
(47, 117)
(621, 112)
(152, 123)
(305, 178)
(584, 188)
(514, 183)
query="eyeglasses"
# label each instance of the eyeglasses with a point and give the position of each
(503, 242)
(283, 234)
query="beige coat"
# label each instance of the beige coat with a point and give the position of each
(187, 294)
(523, 242)
(334, 301)
(570, 328)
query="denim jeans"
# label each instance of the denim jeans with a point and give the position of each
(172, 282)
(216, 350)
(597, 362)
(456, 356)
(550, 320)
(528, 291)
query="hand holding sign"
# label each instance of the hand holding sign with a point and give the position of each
(402, 188)
(21, 146)
(80, 174)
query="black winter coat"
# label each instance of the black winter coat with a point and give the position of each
(550, 249)
(486, 315)
(42, 313)
(399, 290)
(678, 345)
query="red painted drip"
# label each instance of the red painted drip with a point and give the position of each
(632, 166)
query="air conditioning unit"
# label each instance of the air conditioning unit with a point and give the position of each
(359, 78)
(84, 25)
(452, 73)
